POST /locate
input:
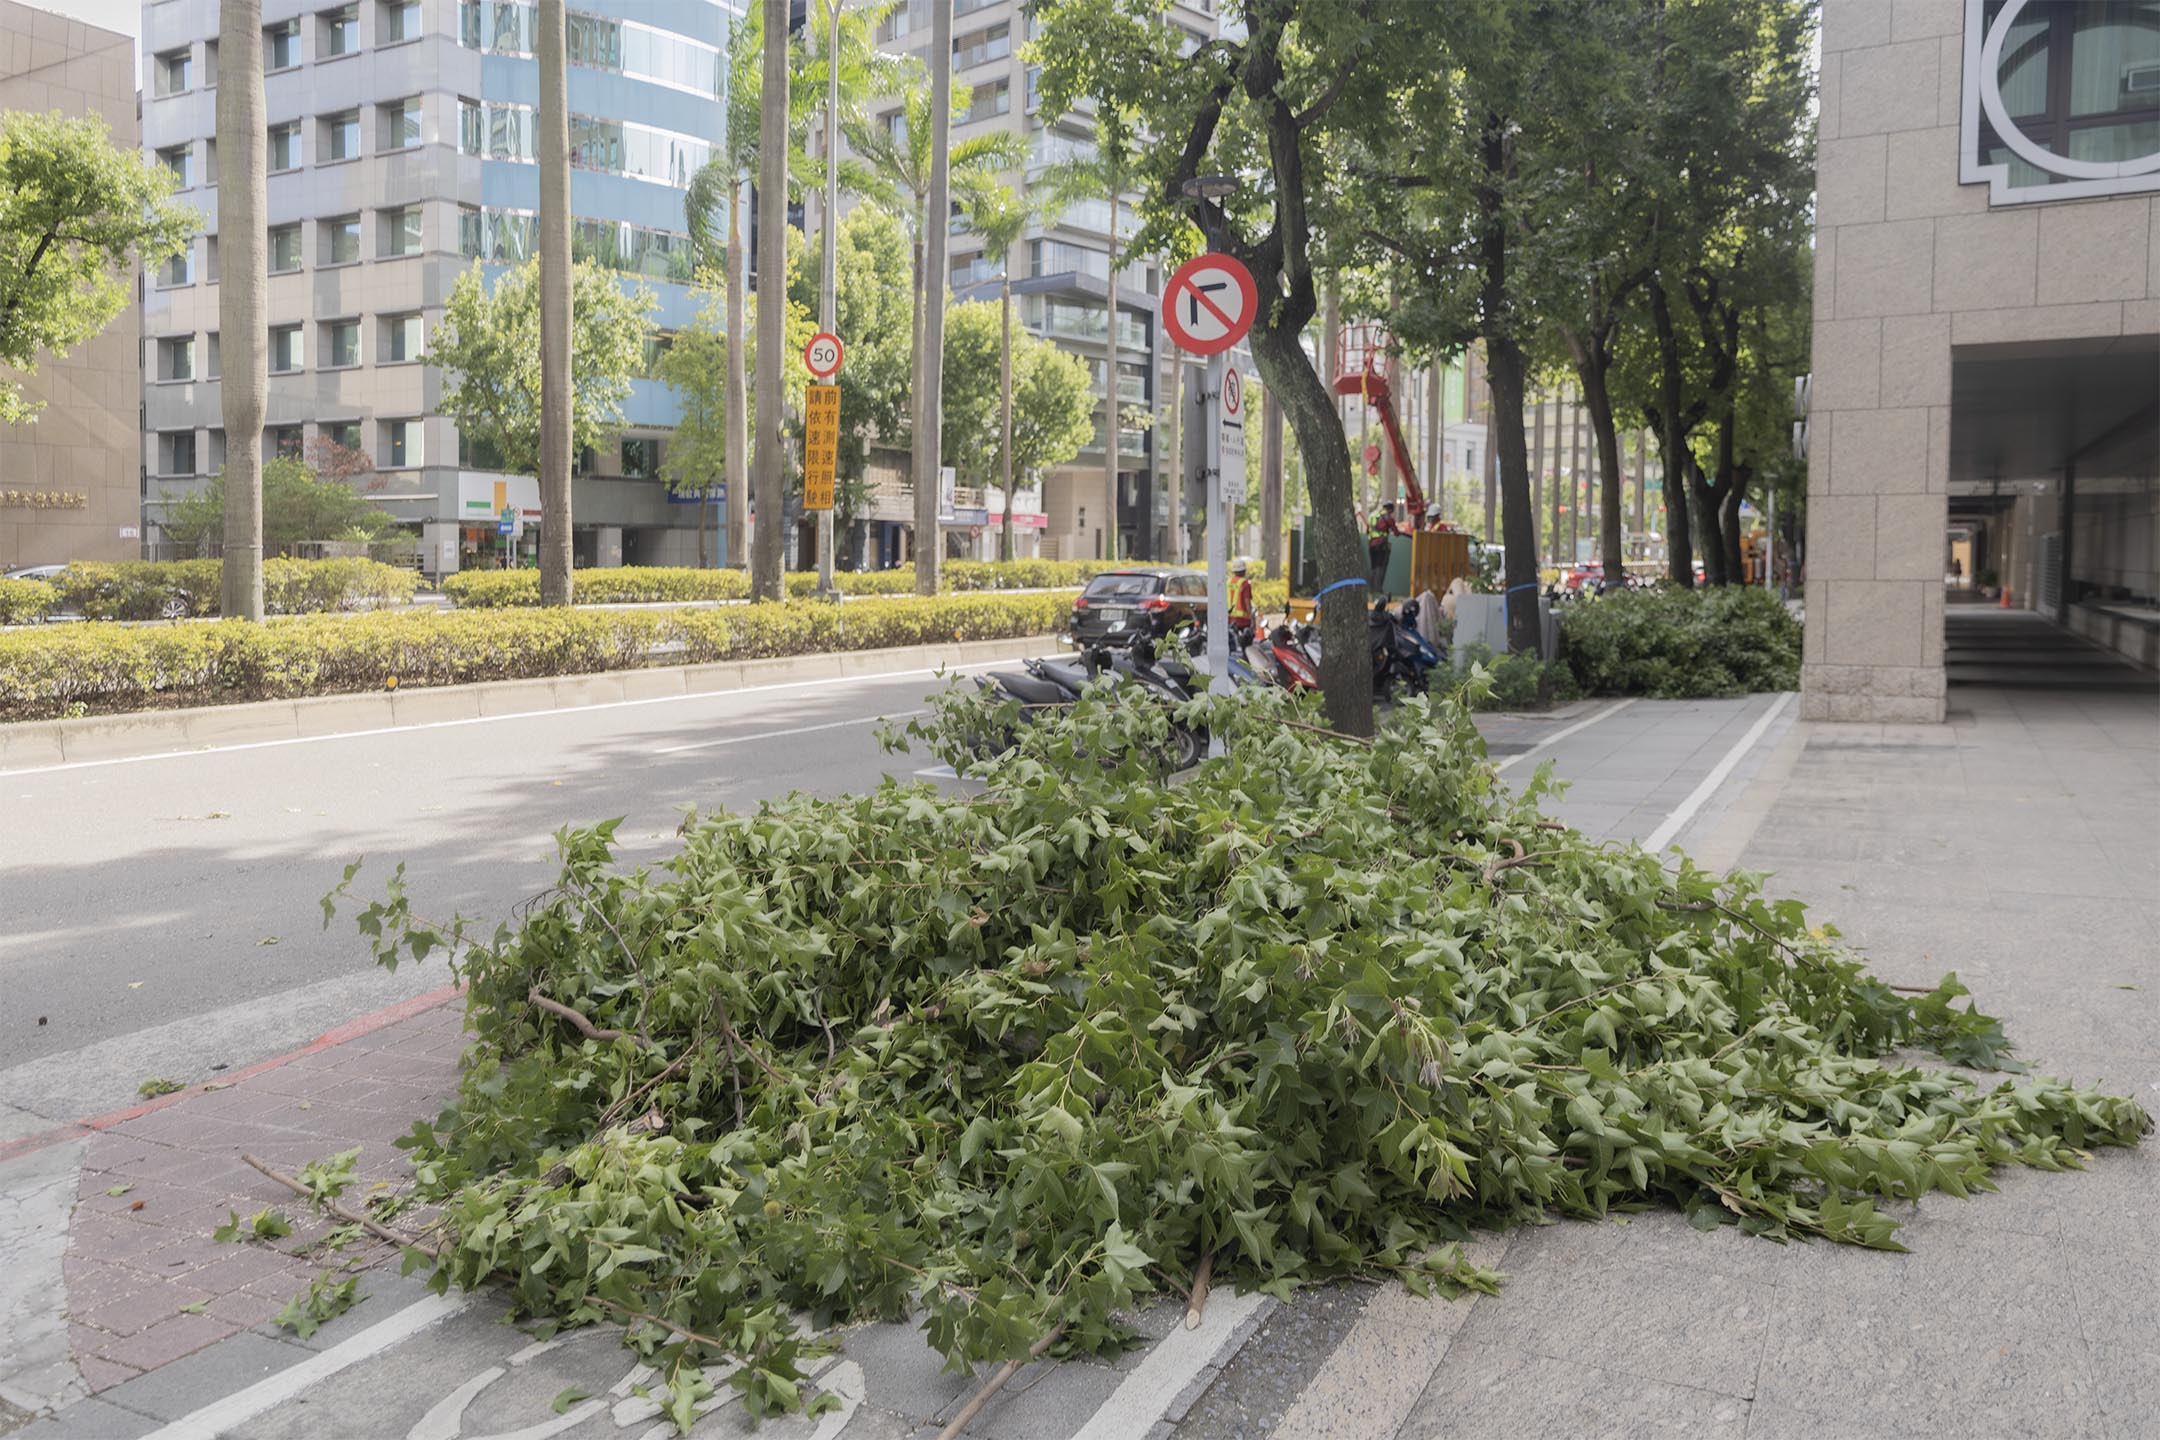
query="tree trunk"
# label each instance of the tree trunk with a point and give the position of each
(1005, 530)
(553, 127)
(1110, 393)
(243, 303)
(1672, 443)
(738, 403)
(1702, 509)
(936, 233)
(768, 460)
(1491, 459)
(1518, 520)
(1590, 368)
(1271, 485)
(1642, 485)
(1331, 528)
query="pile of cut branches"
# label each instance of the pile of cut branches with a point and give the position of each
(1007, 1062)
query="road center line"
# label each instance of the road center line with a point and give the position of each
(220, 1416)
(791, 730)
(1674, 823)
(1557, 736)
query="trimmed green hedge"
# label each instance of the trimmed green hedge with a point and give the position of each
(168, 589)
(1675, 644)
(84, 669)
(649, 585)
(22, 601)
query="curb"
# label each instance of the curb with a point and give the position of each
(351, 1030)
(32, 745)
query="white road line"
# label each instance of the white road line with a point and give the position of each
(495, 719)
(1557, 736)
(1146, 1394)
(794, 730)
(1674, 823)
(243, 1405)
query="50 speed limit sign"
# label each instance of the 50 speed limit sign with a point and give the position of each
(823, 354)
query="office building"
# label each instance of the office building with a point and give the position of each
(69, 485)
(401, 152)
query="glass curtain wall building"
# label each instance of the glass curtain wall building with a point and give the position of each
(401, 152)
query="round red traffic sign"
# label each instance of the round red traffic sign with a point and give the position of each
(1233, 392)
(823, 354)
(1209, 304)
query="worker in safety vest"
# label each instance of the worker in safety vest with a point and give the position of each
(1241, 598)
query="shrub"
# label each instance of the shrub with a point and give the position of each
(103, 668)
(23, 601)
(307, 587)
(1513, 682)
(168, 589)
(651, 585)
(1675, 644)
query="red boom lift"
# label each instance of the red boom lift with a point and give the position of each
(1358, 357)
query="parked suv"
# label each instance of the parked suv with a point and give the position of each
(1149, 600)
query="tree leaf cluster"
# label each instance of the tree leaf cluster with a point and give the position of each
(1005, 1062)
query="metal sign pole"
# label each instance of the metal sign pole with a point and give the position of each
(1218, 548)
(828, 307)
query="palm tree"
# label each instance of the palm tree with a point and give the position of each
(900, 166)
(243, 302)
(552, 46)
(770, 475)
(1108, 174)
(1001, 216)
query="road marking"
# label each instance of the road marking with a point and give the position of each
(494, 719)
(1145, 1396)
(795, 730)
(1674, 823)
(1557, 736)
(242, 1406)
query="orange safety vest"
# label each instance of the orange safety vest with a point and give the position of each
(1241, 602)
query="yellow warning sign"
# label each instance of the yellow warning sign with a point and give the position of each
(821, 445)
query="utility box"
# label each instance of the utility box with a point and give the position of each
(1482, 620)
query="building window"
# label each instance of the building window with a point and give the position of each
(340, 344)
(176, 358)
(397, 21)
(176, 453)
(174, 161)
(288, 349)
(983, 46)
(213, 367)
(988, 101)
(340, 240)
(176, 271)
(285, 146)
(640, 458)
(209, 64)
(281, 46)
(400, 444)
(340, 32)
(496, 131)
(284, 248)
(284, 442)
(172, 72)
(210, 260)
(619, 148)
(402, 338)
(398, 124)
(2078, 83)
(339, 138)
(399, 232)
(209, 162)
(470, 242)
(217, 452)
(597, 42)
(343, 433)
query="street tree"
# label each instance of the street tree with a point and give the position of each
(76, 212)
(299, 504)
(1053, 398)
(557, 441)
(768, 463)
(243, 302)
(488, 347)
(1000, 214)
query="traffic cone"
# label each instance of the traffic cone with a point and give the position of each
(2005, 602)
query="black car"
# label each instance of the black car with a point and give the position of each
(1119, 606)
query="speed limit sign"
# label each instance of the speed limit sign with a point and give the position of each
(823, 354)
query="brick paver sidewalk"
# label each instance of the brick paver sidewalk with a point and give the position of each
(146, 1283)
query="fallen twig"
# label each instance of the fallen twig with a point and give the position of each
(997, 1382)
(351, 1217)
(1323, 730)
(584, 1026)
(1197, 1306)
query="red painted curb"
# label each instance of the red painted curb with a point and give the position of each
(330, 1039)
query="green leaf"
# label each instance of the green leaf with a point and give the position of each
(566, 1398)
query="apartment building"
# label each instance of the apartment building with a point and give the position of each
(69, 484)
(1060, 281)
(1985, 404)
(401, 152)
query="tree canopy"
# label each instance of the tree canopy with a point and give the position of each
(76, 212)
(299, 504)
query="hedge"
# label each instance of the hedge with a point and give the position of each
(152, 590)
(648, 585)
(22, 601)
(1675, 644)
(83, 669)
